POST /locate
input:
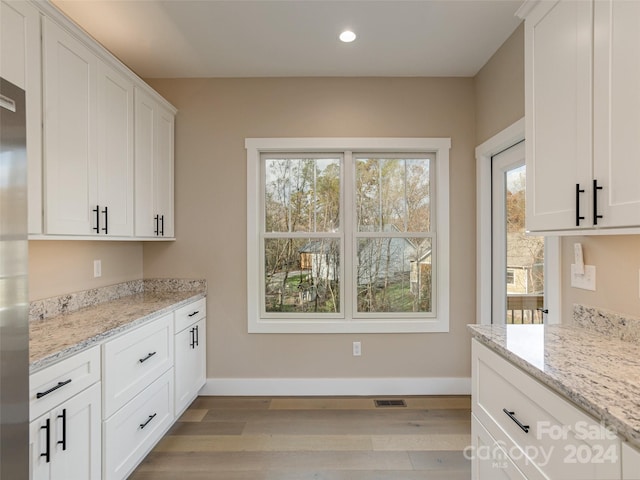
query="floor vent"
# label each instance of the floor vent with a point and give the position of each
(390, 403)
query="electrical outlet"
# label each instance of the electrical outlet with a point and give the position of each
(586, 281)
(357, 349)
(97, 268)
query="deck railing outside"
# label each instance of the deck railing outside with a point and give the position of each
(524, 308)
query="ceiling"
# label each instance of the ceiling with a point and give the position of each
(266, 38)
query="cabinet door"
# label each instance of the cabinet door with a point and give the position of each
(115, 152)
(20, 63)
(558, 63)
(145, 167)
(617, 112)
(190, 364)
(154, 137)
(69, 133)
(164, 170)
(76, 439)
(66, 442)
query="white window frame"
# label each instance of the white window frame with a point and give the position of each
(347, 323)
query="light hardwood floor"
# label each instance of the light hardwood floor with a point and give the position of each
(319, 438)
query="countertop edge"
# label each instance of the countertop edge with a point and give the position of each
(570, 395)
(58, 356)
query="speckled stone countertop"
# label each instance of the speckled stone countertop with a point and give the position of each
(599, 373)
(54, 338)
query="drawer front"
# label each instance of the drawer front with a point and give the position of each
(189, 314)
(133, 361)
(133, 431)
(561, 441)
(488, 460)
(61, 381)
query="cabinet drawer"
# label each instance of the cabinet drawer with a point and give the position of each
(560, 440)
(488, 460)
(189, 314)
(61, 381)
(133, 361)
(133, 431)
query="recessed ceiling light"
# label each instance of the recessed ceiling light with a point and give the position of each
(347, 36)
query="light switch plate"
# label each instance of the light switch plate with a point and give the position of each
(587, 281)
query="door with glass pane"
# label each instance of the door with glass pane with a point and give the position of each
(518, 258)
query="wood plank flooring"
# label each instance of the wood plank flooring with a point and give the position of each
(314, 438)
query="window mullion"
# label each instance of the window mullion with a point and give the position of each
(348, 219)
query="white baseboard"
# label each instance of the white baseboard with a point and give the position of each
(336, 386)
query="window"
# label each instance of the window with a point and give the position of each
(347, 235)
(511, 278)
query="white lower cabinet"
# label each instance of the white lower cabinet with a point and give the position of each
(96, 414)
(133, 431)
(543, 435)
(65, 443)
(190, 350)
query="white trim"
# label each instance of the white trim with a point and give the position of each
(336, 386)
(509, 136)
(553, 272)
(397, 324)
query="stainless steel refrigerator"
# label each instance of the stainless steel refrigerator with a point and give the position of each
(14, 323)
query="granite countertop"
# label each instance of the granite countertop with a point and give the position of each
(596, 372)
(54, 338)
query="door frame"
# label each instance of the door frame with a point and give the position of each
(508, 137)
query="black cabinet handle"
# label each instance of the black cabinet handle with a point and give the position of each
(197, 336)
(142, 360)
(106, 220)
(194, 313)
(63, 442)
(47, 428)
(512, 416)
(151, 417)
(578, 192)
(192, 343)
(595, 202)
(53, 389)
(157, 220)
(543, 310)
(97, 212)
(162, 223)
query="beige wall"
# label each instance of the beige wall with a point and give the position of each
(500, 88)
(617, 260)
(59, 267)
(215, 116)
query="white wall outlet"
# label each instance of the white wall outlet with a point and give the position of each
(586, 281)
(357, 349)
(97, 268)
(578, 259)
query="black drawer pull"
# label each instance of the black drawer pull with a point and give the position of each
(595, 202)
(512, 416)
(151, 417)
(47, 452)
(142, 360)
(63, 442)
(578, 216)
(53, 389)
(194, 313)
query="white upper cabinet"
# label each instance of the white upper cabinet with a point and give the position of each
(21, 64)
(154, 137)
(88, 133)
(70, 131)
(115, 151)
(616, 142)
(80, 132)
(582, 71)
